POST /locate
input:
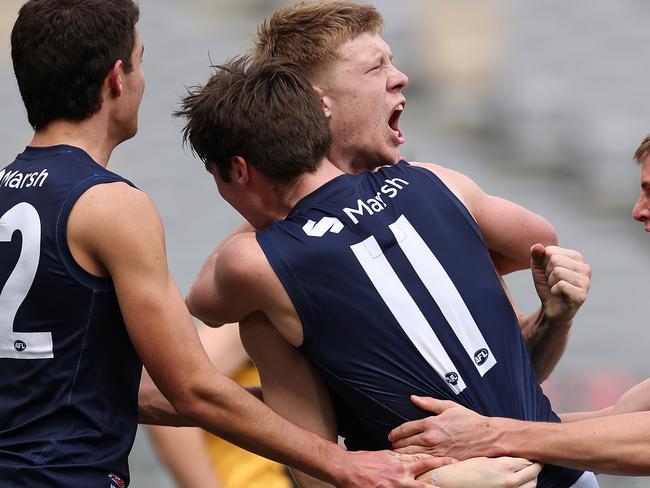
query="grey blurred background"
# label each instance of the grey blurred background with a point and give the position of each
(542, 103)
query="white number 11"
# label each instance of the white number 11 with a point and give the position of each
(21, 345)
(410, 317)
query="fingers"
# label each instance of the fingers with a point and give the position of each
(515, 464)
(408, 449)
(527, 475)
(566, 272)
(424, 477)
(420, 464)
(406, 430)
(431, 404)
(578, 276)
(417, 484)
(537, 253)
(555, 256)
(418, 426)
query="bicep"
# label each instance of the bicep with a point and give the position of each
(509, 229)
(132, 249)
(230, 285)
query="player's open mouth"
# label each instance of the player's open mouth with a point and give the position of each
(393, 122)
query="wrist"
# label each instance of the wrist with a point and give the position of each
(339, 467)
(505, 435)
(559, 324)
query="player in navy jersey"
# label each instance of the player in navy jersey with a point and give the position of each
(381, 280)
(85, 293)
(338, 46)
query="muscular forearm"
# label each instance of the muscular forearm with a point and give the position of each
(577, 416)
(616, 444)
(154, 408)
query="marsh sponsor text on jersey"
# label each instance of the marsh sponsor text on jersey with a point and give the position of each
(376, 204)
(16, 179)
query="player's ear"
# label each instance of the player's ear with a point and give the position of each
(114, 78)
(324, 100)
(239, 170)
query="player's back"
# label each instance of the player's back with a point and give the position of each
(397, 295)
(68, 372)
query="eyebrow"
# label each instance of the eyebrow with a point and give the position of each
(379, 55)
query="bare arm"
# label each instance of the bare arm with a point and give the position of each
(203, 293)
(132, 250)
(517, 239)
(299, 395)
(615, 444)
(175, 446)
(636, 399)
(562, 280)
(508, 229)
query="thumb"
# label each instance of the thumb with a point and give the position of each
(537, 253)
(418, 466)
(431, 404)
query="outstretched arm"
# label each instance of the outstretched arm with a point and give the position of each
(175, 446)
(615, 444)
(132, 250)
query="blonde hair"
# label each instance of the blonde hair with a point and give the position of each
(309, 34)
(643, 150)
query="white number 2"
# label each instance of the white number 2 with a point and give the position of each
(410, 317)
(21, 345)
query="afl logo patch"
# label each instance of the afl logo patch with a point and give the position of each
(451, 378)
(19, 345)
(481, 356)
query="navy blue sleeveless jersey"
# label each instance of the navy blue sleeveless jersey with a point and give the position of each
(68, 372)
(397, 295)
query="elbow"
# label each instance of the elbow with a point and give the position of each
(198, 307)
(193, 303)
(188, 402)
(548, 235)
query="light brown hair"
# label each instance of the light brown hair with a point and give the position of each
(309, 34)
(643, 150)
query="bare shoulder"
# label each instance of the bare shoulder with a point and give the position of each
(115, 220)
(242, 282)
(241, 263)
(461, 185)
(116, 205)
(240, 253)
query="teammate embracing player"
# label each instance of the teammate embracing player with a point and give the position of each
(382, 280)
(85, 292)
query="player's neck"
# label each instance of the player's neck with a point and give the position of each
(90, 135)
(310, 182)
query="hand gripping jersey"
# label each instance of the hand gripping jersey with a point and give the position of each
(68, 373)
(397, 295)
